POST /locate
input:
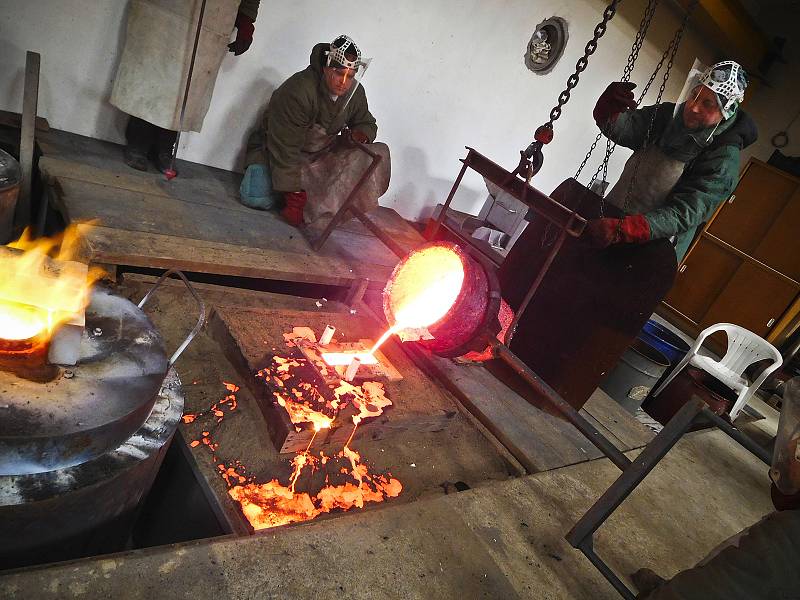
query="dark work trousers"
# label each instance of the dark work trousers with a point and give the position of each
(144, 137)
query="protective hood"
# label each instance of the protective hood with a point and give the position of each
(317, 58)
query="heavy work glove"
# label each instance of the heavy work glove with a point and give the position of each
(617, 99)
(293, 211)
(633, 229)
(354, 135)
(244, 35)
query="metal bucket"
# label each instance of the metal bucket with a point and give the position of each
(10, 177)
(638, 370)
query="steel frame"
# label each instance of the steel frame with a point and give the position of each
(347, 207)
(693, 412)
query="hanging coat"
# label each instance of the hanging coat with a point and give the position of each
(682, 175)
(297, 142)
(154, 66)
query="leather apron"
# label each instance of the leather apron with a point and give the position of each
(656, 175)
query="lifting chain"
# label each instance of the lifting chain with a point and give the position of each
(638, 41)
(534, 149)
(673, 53)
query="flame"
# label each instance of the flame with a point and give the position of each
(425, 286)
(36, 293)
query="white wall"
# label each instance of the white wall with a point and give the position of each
(445, 74)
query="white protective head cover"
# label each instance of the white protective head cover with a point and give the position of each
(728, 81)
(337, 55)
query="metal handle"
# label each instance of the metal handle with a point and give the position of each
(682, 269)
(771, 322)
(200, 321)
(732, 198)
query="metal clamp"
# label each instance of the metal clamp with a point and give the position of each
(200, 321)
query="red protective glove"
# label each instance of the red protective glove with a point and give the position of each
(617, 98)
(359, 136)
(244, 35)
(633, 229)
(293, 211)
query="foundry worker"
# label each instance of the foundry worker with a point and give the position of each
(151, 78)
(302, 158)
(687, 165)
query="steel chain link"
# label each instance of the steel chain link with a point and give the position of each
(583, 62)
(638, 41)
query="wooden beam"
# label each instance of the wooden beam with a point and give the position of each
(30, 101)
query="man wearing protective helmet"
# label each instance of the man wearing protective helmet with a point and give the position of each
(302, 157)
(685, 160)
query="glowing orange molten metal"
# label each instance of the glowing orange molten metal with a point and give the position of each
(425, 286)
(36, 293)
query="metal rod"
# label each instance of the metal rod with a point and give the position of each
(746, 441)
(346, 206)
(200, 320)
(188, 84)
(562, 406)
(535, 286)
(588, 551)
(447, 202)
(378, 232)
(631, 477)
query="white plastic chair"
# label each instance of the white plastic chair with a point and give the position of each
(744, 349)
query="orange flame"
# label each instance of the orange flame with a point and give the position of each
(36, 293)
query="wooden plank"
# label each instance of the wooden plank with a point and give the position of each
(538, 440)
(248, 336)
(53, 168)
(136, 249)
(30, 101)
(617, 421)
(14, 119)
(127, 210)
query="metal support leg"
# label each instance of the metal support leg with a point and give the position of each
(563, 408)
(759, 452)
(580, 536)
(447, 202)
(347, 205)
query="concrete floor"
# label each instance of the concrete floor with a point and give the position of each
(503, 540)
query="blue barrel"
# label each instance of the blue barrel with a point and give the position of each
(654, 334)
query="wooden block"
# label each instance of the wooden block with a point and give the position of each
(249, 337)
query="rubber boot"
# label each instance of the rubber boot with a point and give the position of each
(163, 148)
(293, 210)
(139, 135)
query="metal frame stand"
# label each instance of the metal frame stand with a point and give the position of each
(694, 411)
(347, 207)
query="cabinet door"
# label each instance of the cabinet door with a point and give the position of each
(701, 278)
(754, 298)
(780, 248)
(759, 198)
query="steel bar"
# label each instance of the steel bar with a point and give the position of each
(201, 319)
(347, 205)
(588, 551)
(633, 476)
(746, 441)
(447, 202)
(535, 286)
(559, 404)
(378, 232)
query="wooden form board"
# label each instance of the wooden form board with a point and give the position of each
(203, 224)
(538, 440)
(247, 336)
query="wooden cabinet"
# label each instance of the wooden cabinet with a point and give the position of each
(744, 268)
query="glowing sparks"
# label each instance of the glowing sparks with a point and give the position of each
(271, 504)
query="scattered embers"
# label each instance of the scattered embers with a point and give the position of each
(340, 481)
